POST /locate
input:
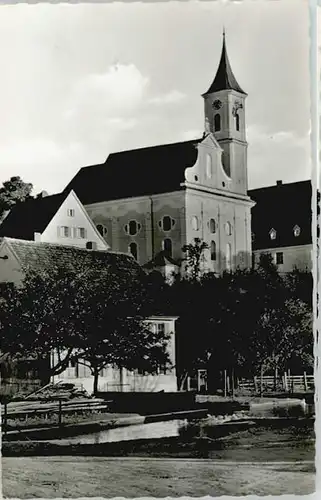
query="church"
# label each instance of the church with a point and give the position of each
(152, 201)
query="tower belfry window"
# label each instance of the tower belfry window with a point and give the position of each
(217, 122)
(237, 121)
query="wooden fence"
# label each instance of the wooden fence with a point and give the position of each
(285, 383)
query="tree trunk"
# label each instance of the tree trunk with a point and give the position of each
(95, 387)
(183, 380)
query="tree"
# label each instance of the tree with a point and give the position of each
(12, 191)
(195, 258)
(81, 312)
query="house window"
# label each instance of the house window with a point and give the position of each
(279, 257)
(212, 226)
(195, 223)
(228, 228)
(272, 234)
(160, 328)
(237, 121)
(132, 228)
(166, 223)
(208, 166)
(167, 246)
(101, 229)
(133, 249)
(81, 232)
(228, 257)
(213, 250)
(296, 231)
(65, 231)
(71, 212)
(217, 122)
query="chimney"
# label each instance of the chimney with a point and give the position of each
(43, 194)
(279, 183)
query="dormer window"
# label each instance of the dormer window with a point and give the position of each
(272, 234)
(217, 122)
(296, 231)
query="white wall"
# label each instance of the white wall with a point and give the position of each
(80, 219)
(299, 256)
(10, 269)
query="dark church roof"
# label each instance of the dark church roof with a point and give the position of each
(138, 172)
(224, 78)
(161, 259)
(282, 207)
(31, 216)
(38, 255)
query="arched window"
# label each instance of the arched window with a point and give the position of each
(228, 257)
(208, 166)
(167, 246)
(213, 250)
(217, 122)
(195, 223)
(212, 226)
(228, 228)
(237, 121)
(133, 249)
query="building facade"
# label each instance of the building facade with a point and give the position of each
(112, 379)
(282, 225)
(159, 199)
(59, 219)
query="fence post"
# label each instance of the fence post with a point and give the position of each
(305, 381)
(285, 382)
(228, 384)
(261, 383)
(255, 384)
(5, 418)
(275, 378)
(60, 413)
(225, 383)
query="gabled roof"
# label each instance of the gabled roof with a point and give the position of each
(282, 207)
(31, 216)
(138, 172)
(224, 78)
(161, 259)
(38, 255)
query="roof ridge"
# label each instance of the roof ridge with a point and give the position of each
(152, 147)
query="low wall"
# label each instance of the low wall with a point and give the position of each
(148, 403)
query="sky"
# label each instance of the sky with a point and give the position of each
(81, 81)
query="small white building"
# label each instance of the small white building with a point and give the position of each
(59, 219)
(112, 379)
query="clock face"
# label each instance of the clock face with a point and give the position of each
(217, 104)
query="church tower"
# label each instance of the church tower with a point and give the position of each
(224, 106)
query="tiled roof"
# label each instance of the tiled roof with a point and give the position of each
(31, 216)
(224, 78)
(47, 255)
(138, 172)
(282, 207)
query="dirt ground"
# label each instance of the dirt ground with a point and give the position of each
(54, 477)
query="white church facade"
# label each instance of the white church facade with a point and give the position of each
(154, 201)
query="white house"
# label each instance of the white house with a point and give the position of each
(113, 380)
(60, 218)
